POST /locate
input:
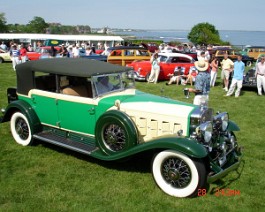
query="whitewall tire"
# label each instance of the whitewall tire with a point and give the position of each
(20, 129)
(177, 175)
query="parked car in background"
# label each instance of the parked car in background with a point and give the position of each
(152, 47)
(93, 108)
(253, 51)
(123, 55)
(94, 56)
(5, 56)
(250, 80)
(232, 54)
(168, 62)
(187, 52)
(43, 52)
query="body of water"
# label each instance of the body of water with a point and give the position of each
(255, 38)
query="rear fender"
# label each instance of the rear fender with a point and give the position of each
(27, 110)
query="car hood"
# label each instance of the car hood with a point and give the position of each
(153, 115)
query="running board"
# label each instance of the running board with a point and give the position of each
(52, 138)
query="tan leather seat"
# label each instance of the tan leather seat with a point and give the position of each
(80, 90)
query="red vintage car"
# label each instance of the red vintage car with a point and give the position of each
(168, 62)
(41, 51)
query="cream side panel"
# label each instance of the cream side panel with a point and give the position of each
(159, 108)
(157, 119)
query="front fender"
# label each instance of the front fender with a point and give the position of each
(232, 126)
(184, 145)
(27, 110)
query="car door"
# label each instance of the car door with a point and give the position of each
(76, 110)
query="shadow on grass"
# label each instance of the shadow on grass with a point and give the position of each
(221, 184)
(140, 162)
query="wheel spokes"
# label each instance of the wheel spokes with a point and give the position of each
(114, 137)
(22, 129)
(176, 172)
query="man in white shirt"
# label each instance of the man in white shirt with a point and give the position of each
(260, 74)
(76, 51)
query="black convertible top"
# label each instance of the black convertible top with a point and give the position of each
(79, 67)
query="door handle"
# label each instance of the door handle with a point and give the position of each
(91, 111)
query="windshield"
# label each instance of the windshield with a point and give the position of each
(162, 58)
(109, 83)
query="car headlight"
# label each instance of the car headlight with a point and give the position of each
(221, 121)
(205, 131)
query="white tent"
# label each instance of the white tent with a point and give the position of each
(32, 38)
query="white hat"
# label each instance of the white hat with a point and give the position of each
(201, 65)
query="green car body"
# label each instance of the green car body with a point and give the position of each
(60, 101)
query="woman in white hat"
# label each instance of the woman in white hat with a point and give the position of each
(203, 78)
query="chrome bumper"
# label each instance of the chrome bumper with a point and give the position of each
(224, 172)
(138, 77)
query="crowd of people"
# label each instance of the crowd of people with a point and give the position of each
(18, 52)
(204, 73)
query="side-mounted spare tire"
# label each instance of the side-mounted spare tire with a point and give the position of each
(115, 132)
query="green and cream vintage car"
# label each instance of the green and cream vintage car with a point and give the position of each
(92, 107)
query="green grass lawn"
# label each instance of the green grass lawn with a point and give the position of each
(44, 177)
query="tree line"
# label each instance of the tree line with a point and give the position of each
(38, 25)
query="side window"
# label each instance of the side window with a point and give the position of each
(174, 60)
(184, 60)
(128, 52)
(163, 58)
(115, 53)
(76, 86)
(107, 83)
(45, 81)
(220, 53)
(142, 52)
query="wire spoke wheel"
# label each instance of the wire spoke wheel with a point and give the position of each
(22, 128)
(114, 137)
(115, 132)
(176, 172)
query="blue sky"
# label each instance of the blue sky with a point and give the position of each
(140, 14)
